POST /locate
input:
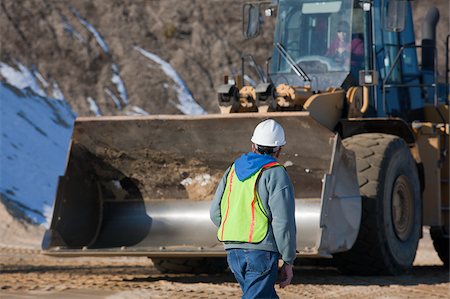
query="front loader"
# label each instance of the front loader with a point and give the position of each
(367, 150)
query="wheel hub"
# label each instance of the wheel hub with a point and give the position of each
(402, 208)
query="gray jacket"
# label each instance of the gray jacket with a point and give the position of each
(277, 195)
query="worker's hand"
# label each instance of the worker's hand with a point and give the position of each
(286, 274)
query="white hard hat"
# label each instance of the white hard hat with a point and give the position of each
(269, 133)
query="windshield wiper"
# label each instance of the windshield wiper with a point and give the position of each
(297, 69)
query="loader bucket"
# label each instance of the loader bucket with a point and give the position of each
(143, 185)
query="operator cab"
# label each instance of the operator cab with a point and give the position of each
(323, 38)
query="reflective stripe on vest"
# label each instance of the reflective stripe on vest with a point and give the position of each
(243, 216)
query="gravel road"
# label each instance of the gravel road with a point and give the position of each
(25, 273)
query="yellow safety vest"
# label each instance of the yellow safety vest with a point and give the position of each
(243, 216)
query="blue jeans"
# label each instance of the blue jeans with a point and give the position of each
(255, 270)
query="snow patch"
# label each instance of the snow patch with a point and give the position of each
(35, 136)
(21, 78)
(100, 41)
(41, 79)
(202, 180)
(48, 213)
(135, 110)
(187, 103)
(117, 80)
(93, 106)
(24, 78)
(57, 93)
(114, 98)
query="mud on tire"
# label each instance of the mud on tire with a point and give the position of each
(190, 265)
(391, 201)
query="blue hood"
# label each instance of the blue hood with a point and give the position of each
(248, 164)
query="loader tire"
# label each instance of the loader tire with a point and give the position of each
(190, 265)
(440, 238)
(391, 207)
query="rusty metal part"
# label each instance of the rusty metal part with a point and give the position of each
(247, 97)
(357, 100)
(285, 95)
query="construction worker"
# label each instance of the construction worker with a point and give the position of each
(254, 209)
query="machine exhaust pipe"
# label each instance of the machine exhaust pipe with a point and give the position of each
(429, 38)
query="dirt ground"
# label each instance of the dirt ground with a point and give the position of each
(25, 273)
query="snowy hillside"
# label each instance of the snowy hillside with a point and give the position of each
(37, 121)
(35, 135)
(113, 57)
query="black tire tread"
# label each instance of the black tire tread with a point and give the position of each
(368, 257)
